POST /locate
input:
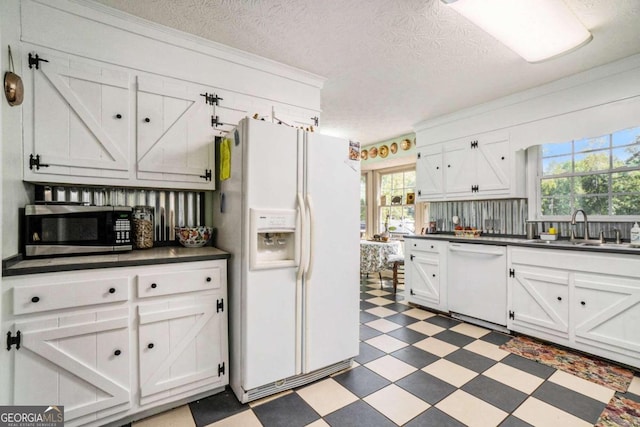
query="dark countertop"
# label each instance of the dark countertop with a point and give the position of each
(159, 255)
(521, 241)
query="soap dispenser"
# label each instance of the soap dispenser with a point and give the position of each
(635, 235)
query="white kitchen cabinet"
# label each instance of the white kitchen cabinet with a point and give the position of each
(425, 264)
(481, 166)
(175, 133)
(134, 339)
(585, 300)
(76, 120)
(606, 308)
(429, 173)
(539, 301)
(79, 360)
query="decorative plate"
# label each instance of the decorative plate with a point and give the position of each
(406, 144)
(394, 148)
(364, 154)
(384, 151)
(373, 152)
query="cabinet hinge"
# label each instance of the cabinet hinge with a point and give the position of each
(475, 188)
(512, 315)
(207, 175)
(211, 98)
(220, 369)
(412, 257)
(219, 305)
(34, 61)
(35, 161)
(419, 155)
(411, 292)
(474, 144)
(512, 272)
(419, 192)
(316, 120)
(13, 340)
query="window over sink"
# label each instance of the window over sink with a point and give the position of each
(600, 175)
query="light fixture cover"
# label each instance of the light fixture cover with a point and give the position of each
(537, 30)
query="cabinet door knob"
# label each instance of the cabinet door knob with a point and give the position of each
(208, 279)
(118, 116)
(559, 298)
(437, 167)
(583, 303)
(35, 299)
(433, 275)
(147, 119)
(448, 166)
(112, 290)
(153, 286)
(117, 353)
(150, 345)
(431, 246)
(502, 158)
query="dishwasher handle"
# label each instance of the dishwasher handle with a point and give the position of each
(458, 248)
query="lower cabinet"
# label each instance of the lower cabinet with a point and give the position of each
(175, 346)
(585, 300)
(424, 267)
(79, 360)
(84, 355)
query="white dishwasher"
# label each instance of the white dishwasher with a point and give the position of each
(477, 281)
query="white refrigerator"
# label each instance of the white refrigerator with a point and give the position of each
(289, 216)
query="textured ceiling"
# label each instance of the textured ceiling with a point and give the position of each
(391, 63)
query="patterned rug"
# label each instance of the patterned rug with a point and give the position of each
(620, 412)
(592, 369)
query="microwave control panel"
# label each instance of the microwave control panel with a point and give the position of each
(123, 231)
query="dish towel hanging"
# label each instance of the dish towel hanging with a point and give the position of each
(225, 159)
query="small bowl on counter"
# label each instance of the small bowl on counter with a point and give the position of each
(194, 237)
(548, 237)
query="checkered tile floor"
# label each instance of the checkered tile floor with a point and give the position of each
(416, 368)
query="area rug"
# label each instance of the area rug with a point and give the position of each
(591, 369)
(620, 412)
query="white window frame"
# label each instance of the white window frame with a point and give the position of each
(534, 163)
(375, 202)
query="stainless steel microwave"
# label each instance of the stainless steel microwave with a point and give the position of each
(68, 229)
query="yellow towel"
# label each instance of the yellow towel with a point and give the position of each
(225, 159)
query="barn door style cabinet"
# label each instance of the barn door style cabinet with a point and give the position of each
(84, 115)
(563, 297)
(110, 343)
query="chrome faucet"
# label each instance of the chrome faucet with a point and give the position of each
(573, 225)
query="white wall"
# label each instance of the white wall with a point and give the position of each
(15, 193)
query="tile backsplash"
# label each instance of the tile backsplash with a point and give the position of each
(171, 208)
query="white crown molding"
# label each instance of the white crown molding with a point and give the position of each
(586, 77)
(92, 10)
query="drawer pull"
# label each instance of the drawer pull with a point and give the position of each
(35, 299)
(112, 290)
(208, 279)
(117, 353)
(559, 298)
(147, 119)
(153, 286)
(583, 303)
(431, 246)
(118, 116)
(150, 345)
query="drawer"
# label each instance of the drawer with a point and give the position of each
(173, 282)
(424, 245)
(54, 296)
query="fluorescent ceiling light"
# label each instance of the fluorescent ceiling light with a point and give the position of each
(535, 29)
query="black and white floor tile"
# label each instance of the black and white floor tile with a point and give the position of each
(415, 368)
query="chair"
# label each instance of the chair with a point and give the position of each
(396, 263)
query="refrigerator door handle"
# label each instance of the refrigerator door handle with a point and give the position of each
(312, 226)
(302, 240)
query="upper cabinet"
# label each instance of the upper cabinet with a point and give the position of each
(77, 120)
(83, 115)
(174, 132)
(482, 166)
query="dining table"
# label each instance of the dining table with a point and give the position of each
(374, 255)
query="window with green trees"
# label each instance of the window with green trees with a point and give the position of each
(394, 208)
(600, 175)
